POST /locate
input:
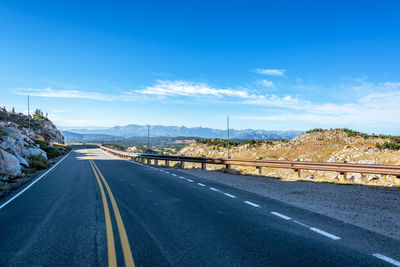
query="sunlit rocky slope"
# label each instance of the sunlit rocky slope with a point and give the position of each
(338, 145)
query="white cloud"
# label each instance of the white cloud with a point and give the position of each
(377, 109)
(186, 88)
(266, 83)
(272, 72)
(49, 92)
(173, 89)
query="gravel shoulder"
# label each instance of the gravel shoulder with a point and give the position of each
(373, 208)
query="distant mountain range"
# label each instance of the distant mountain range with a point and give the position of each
(134, 130)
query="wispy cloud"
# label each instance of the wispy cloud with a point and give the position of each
(179, 90)
(49, 92)
(266, 83)
(378, 107)
(186, 88)
(272, 72)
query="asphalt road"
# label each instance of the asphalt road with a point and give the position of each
(95, 210)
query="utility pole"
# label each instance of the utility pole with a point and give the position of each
(148, 136)
(227, 124)
(29, 116)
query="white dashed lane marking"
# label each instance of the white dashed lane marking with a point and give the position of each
(214, 189)
(189, 180)
(281, 215)
(387, 259)
(324, 233)
(201, 184)
(251, 204)
(174, 174)
(229, 195)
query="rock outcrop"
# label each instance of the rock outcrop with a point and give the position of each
(17, 141)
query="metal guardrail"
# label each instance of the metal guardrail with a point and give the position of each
(342, 168)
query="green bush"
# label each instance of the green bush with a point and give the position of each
(3, 133)
(38, 163)
(315, 130)
(255, 143)
(217, 142)
(42, 143)
(52, 152)
(38, 114)
(388, 145)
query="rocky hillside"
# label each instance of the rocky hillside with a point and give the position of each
(24, 150)
(337, 145)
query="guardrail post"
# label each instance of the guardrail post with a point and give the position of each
(204, 166)
(156, 162)
(149, 161)
(182, 164)
(166, 163)
(260, 170)
(297, 174)
(342, 176)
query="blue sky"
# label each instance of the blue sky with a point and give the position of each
(273, 65)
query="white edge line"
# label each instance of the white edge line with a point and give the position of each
(34, 182)
(324, 233)
(281, 215)
(387, 259)
(251, 204)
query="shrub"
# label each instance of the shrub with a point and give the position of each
(388, 145)
(38, 163)
(352, 133)
(315, 130)
(3, 133)
(39, 115)
(52, 152)
(42, 143)
(217, 142)
(254, 143)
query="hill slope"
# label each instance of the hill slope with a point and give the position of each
(328, 145)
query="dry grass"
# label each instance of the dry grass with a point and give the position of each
(325, 146)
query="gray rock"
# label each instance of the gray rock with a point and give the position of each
(230, 170)
(177, 165)
(21, 160)
(9, 164)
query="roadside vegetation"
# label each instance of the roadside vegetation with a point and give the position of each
(224, 143)
(392, 143)
(38, 114)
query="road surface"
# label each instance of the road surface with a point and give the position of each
(93, 209)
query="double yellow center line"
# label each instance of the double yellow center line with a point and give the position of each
(126, 249)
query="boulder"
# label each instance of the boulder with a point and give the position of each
(177, 165)
(21, 160)
(230, 170)
(9, 164)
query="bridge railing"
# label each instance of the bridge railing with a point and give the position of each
(296, 166)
